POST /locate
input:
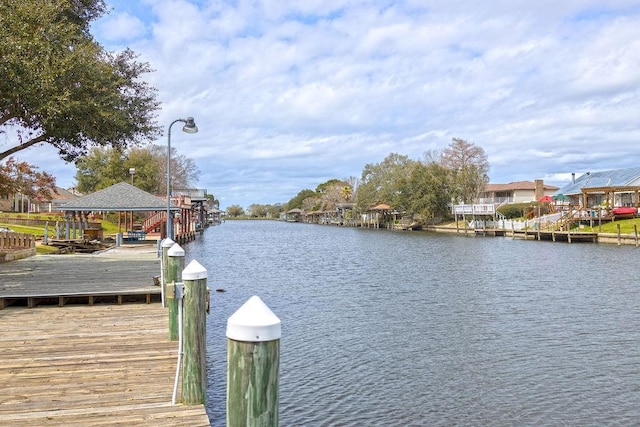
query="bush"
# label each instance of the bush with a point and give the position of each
(524, 210)
(513, 210)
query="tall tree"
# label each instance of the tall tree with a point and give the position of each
(383, 182)
(103, 167)
(60, 87)
(333, 194)
(184, 172)
(469, 169)
(426, 194)
(297, 201)
(23, 178)
(235, 211)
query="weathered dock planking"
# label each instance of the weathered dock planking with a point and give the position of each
(80, 365)
(117, 275)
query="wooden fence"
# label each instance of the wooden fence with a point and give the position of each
(11, 241)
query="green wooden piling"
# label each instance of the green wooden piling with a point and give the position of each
(166, 244)
(175, 265)
(194, 362)
(253, 364)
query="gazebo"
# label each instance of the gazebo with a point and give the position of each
(121, 197)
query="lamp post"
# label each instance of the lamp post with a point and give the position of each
(132, 171)
(189, 127)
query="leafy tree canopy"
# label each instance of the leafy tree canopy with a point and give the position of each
(235, 211)
(297, 201)
(382, 182)
(59, 86)
(104, 167)
(21, 177)
(330, 183)
(425, 193)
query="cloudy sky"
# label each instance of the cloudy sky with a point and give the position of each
(288, 94)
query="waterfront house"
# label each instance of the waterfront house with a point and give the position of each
(612, 188)
(516, 192)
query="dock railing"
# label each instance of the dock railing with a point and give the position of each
(12, 241)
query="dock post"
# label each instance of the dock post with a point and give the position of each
(166, 244)
(253, 364)
(619, 238)
(635, 233)
(194, 365)
(175, 265)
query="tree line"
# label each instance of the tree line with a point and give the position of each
(421, 189)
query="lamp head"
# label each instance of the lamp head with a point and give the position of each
(190, 126)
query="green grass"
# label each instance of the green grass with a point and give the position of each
(626, 226)
(107, 226)
(38, 231)
(44, 249)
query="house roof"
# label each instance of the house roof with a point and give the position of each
(381, 207)
(611, 178)
(518, 185)
(118, 197)
(61, 195)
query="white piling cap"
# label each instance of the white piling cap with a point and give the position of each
(167, 243)
(254, 322)
(194, 271)
(175, 250)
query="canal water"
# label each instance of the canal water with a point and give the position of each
(383, 328)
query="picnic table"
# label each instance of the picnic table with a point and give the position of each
(135, 235)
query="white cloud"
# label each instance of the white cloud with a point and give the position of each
(121, 27)
(288, 94)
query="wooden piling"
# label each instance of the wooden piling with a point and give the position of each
(175, 265)
(194, 277)
(253, 364)
(619, 237)
(166, 244)
(635, 233)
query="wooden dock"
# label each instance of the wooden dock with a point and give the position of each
(86, 359)
(81, 365)
(556, 236)
(118, 275)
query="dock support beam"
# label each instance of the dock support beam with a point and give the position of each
(253, 364)
(166, 244)
(175, 265)
(194, 376)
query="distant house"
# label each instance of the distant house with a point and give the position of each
(6, 203)
(516, 192)
(63, 196)
(612, 188)
(294, 215)
(21, 203)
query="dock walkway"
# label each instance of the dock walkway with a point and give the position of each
(80, 365)
(125, 272)
(87, 364)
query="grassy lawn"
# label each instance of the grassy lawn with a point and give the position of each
(626, 226)
(107, 226)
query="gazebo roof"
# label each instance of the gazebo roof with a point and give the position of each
(117, 198)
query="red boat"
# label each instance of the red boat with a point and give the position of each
(624, 212)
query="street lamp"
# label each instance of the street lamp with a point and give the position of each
(132, 171)
(189, 127)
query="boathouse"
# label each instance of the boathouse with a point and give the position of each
(125, 199)
(612, 188)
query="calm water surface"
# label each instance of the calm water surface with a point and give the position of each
(385, 328)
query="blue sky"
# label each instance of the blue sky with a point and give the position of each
(288, 94)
